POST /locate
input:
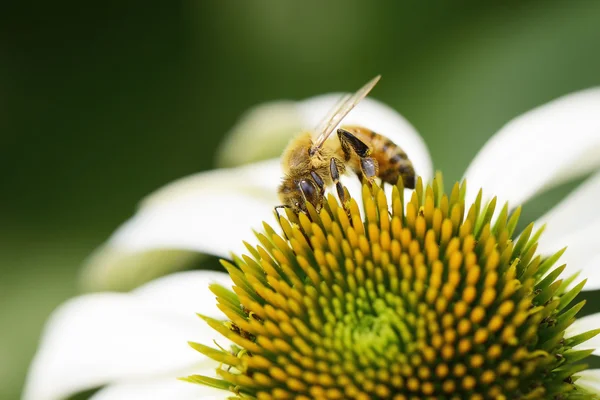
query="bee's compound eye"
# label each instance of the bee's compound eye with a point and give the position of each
(310, 192)
(308, 189)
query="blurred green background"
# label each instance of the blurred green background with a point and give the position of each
(101, 104)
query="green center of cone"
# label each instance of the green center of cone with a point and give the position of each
(418, 300)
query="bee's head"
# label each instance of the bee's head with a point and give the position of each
(295, 194)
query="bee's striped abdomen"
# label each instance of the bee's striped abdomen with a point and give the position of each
(392, 161)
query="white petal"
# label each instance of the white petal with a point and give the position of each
(210, 212)
(113, 269)
(212, 223)
(577, 210)
(160, 389)
(582, 254)
(547, 146)
(259, 179)
(99, 338)
(261, 133)
(380, 118)
(589, 380)
(575, 223)
(586, 324)
(184, 293)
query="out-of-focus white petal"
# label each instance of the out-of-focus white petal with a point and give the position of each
(589, 380)
(210, 212)
(212, 223)
(160, 389)
(184, 293)
(542, 148)
(576, 211)
(380, 118)
(575, 223)
(585, 324)
(261, 133)
(259, 179)
(582, 254)
(113, 269)
(101, 338)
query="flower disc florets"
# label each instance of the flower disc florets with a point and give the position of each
(423, 300)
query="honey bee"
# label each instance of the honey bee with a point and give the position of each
(311, 166)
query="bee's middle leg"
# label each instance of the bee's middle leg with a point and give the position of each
(335, 176)
(350, 143)
(318, 180)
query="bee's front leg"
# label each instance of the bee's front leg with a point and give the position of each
(318, 180)
(335, 176)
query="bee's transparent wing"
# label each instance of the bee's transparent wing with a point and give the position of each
(342, 108)
(326, 122)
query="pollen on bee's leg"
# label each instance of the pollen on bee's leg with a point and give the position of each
(347, 203)
(369, 169)
(435, 299)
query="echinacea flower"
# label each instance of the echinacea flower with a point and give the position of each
(400, 304)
